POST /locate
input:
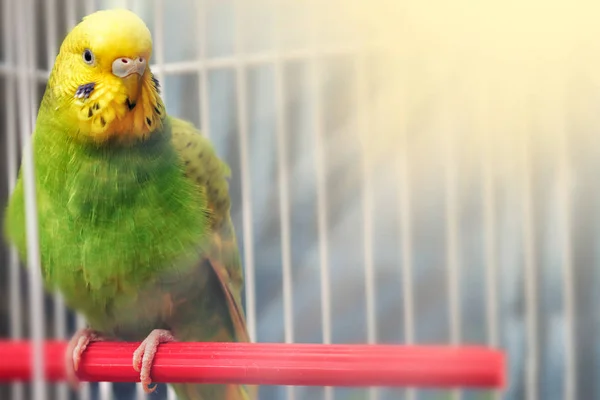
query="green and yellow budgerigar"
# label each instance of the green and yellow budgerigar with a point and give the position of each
(133, 205)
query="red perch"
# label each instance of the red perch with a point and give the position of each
(272, 364)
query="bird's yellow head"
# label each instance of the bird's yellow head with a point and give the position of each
(101, 80)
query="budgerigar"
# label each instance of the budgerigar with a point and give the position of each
(133, 205)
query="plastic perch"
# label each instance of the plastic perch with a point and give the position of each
(272, 364)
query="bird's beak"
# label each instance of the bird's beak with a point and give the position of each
(131, 72)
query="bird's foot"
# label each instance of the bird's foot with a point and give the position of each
(75, 349)
(143, 357)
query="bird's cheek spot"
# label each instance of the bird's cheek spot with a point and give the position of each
(130, 105)
(156, 84)
(99, 123)
(86, 113)
(84, 91)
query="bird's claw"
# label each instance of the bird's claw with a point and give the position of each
(75, 349)
(143, 357)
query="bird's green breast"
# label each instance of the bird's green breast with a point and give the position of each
(111, 220)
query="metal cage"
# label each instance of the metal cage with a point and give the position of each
(402, 173)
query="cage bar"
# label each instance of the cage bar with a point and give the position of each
(489, 217)
(452, 239)
(405, 220)
(36, 311)
(284, 211)
(31, 46)
(60, 312)
(51, 32)
(89, 6)
(159, 43)
(202, 70)
(16, 323)
(14, 279)
(259, 58)
(363, 127)
(159, 55)
(564, 203)
(530, 285)
(323, 234)
(283, 174)
(247, 225)
(272, 364)
(71, 13)
(367, 196)
(60, 333)
(452, 230)
(105, 391)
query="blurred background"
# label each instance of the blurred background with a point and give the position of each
(412, 171)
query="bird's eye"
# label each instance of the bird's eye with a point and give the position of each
(88, 56)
